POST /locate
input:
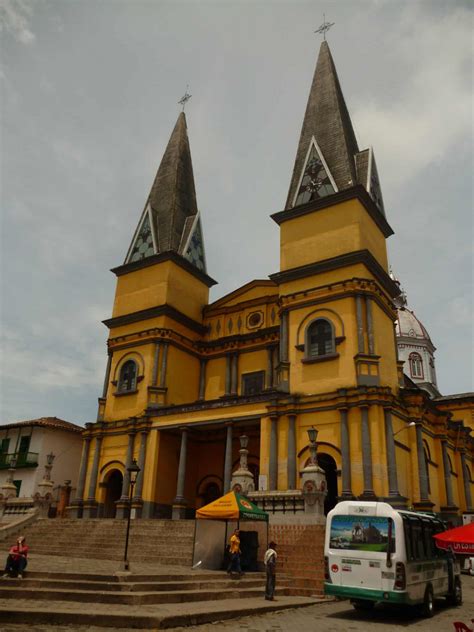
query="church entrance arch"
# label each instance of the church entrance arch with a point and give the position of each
(327, 463)
(113, 491)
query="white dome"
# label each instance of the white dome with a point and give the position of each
(408, 325)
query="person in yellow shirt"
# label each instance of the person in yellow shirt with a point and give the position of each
(234, 550)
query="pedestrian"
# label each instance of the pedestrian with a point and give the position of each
(17, 558)
(234, 550)
(270, 567)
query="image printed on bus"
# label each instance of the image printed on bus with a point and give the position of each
(361, 533)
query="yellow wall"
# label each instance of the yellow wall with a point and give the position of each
(182, 377)
(330, 232)
(160, 284)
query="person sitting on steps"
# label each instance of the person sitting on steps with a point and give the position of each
(17, 558)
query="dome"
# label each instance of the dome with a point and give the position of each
(407, 325)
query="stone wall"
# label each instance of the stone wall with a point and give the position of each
(300, 556)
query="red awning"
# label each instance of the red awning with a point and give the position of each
(459, 540)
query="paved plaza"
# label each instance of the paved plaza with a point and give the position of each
(325, 617)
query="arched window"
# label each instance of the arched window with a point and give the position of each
(320, 338)
(416, 365)
(128, 376)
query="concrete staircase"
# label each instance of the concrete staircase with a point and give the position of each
(135, 601)
(160, 541)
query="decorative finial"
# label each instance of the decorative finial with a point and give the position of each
(185, 98)
(325, 26)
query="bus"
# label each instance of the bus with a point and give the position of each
(375, 553)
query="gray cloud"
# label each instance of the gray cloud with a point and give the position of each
(87, 112)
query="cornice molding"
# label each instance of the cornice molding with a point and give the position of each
(160, 258)
(341, 261)
(357, 192)
(154, 312)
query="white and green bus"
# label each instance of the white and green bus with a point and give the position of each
(374, 553)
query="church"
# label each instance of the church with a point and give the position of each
(327, 342)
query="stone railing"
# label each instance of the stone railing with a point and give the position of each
(17, 522)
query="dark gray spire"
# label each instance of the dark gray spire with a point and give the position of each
(170, 220)
(328, 164)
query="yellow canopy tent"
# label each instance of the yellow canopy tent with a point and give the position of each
(232, 506)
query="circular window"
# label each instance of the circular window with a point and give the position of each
(255, 319)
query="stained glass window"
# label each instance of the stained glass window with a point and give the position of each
(316, 182)
(195, 250)
(143, 246)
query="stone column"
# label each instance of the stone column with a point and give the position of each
(234, 374)
(360, 325)
(164, 365)
(156, 359)
(228, 459)
(370, 324)
(273, 465)
(345, 455)
(284, 337)
(141, 465)
(366, 453)
(202, 378)
(90, 505)
(269, 372)
(228, 373)
(391, 457)
(467, 484)
(291, 459)
(122, 503)
(76, 508)
(179, 503)
(447, 474)
(107, 376)
(422, 473)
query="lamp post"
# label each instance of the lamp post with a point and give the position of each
(312, 435)
(410, 425)
(133, 471)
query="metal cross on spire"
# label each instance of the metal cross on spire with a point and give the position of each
(185, 98)
(325, 26)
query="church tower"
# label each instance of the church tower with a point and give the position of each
(333, 281)
(162, 288)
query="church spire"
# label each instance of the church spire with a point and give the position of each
(170, 221)
(328, 158)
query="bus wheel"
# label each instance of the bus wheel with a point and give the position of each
(362, 604)
(427, 607)
(455, 598)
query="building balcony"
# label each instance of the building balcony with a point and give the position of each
(23, 459)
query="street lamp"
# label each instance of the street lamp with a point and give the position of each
(133, 471)
(50, 458)
(410, 425)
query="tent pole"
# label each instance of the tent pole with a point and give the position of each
(194, 541)
(225, 539)
(267, 533)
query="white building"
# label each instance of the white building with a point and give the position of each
(29, 442)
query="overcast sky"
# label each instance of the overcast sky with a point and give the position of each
(89, 99)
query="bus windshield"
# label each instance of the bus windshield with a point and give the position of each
(361, 533)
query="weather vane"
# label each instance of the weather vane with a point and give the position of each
(325, 26)
(185, 98)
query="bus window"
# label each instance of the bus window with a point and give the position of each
(361, 533)
(408, 538)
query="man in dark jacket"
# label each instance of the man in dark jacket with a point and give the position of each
(270, 566)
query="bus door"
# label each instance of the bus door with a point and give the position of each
(358, 546)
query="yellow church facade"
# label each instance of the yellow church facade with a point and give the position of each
(313, 346)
